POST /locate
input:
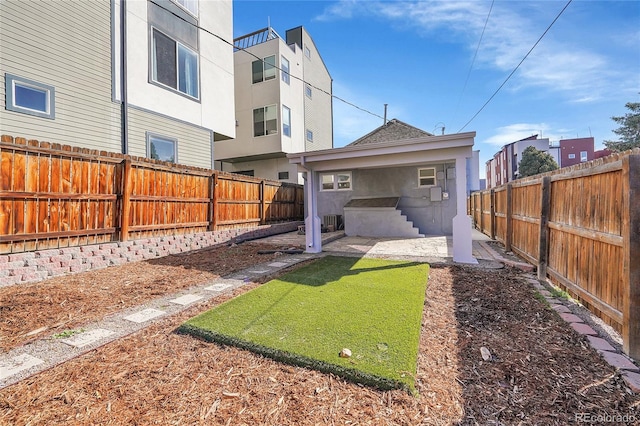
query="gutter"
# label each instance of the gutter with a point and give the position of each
(123, 77)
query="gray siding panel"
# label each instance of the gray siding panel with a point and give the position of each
(194, 143)
(66, 45)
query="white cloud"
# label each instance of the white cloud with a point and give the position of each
(517, 131)
(513, 28)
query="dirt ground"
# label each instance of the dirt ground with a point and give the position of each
(540, 371)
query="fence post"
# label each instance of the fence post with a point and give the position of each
(482, 212)
(631, 254)
(213, 183)
(492, 214)
(262, 203)
(543, 249)
(126, 200)
(508, 220)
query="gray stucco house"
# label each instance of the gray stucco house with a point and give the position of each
(396, 181)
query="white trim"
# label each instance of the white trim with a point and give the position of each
(335, 181)
(161, 138)
(420, 185)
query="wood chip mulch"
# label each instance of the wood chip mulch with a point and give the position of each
(31, 311)
(540, 372)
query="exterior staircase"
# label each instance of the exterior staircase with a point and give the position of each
(377, 217)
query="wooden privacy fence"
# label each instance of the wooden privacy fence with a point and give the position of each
(59, 196)
(581, 227)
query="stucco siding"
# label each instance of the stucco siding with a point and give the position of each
(318, 109)
(66, 45)
(431, 217)
(193, 143)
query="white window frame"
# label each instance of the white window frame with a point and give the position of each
(286, 70)
(307, 51)
(286, 121)
(264, 112)
(584, 155)
(334, 183)
(11, 81)
(190, 6)
(309, 135)
(571, 156)
(155, 137)
(263, 74)
(421, 177)
(308, 92)
(154, 65)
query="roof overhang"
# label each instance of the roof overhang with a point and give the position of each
(386, 154)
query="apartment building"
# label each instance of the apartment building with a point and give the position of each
(575, 151)
(138, 77)
(503, 167)
(283, 104)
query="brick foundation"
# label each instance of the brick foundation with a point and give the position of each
(39, 265)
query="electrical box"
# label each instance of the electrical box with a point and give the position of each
(451, 173)
(436, 193)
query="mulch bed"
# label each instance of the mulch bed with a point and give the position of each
(31, 311)
(541, 372)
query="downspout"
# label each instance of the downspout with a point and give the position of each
(123, 77)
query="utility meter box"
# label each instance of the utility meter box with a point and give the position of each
(436, 193)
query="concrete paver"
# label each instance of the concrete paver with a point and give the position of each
(583, 329)
(87, 338)
(18, 364)
(600, 344)
(145, 315)
(568, 317)
(187, 299)
(561, 309)
(618, 361)
(632, 380)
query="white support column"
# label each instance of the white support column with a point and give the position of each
(462, 239)
(313, 235)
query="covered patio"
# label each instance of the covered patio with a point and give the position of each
(388, 169)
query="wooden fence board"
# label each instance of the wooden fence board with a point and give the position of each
(584, 244)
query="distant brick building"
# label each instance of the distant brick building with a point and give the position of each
(575, 151)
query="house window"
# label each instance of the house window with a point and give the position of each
(245, 172)
(161, 148)
(427, 176)
(283, 175)
(284, 62)
(286, 121)
(265, 121)
(174, 65)
(307, 91)
(572, 156)
(583, 155)
(189, 5)
(264, 69)
(29, 97)
(309, 135)
(340, 181)
(307, 52)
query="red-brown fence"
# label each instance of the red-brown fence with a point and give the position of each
(57, 196)
(581, 227)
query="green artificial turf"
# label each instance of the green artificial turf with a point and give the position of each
(371, 306)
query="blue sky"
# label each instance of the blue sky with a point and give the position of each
(416, 55)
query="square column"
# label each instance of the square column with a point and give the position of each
(462, 239)
(312, 224)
